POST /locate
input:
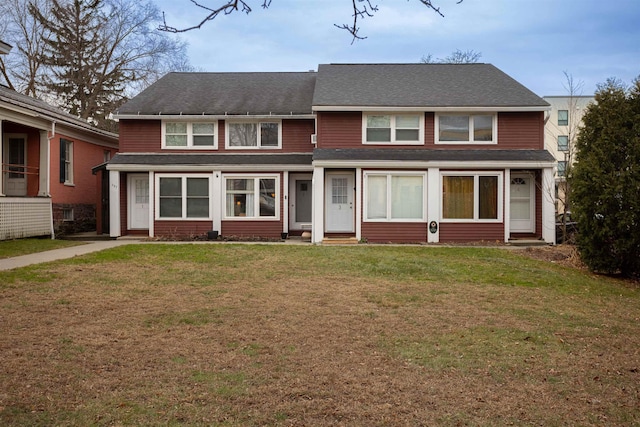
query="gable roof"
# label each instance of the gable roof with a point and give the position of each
(21, 103)
(225, 93)
(421, 86)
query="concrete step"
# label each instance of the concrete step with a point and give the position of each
(339, 241)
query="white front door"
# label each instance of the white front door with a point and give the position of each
(138, 202)
(300, 201)
(523, 203)
(339, 203)
(15, 159)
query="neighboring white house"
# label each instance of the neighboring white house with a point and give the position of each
(562, 126)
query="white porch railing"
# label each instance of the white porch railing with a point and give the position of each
(25, 217)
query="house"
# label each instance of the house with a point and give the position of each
(562, 126)
(375, 152)
(46, 185)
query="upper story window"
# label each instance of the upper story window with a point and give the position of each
(466, 129)
(197, 135)
(244, 135)
(562, 168)
(393, 129)
(563, 117)
(563, 143)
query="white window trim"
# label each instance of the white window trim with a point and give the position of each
(393, 141)
(183, 178)
(476, 195)
(389, 175)
(494, 129)
(190, 145)
(258, 145)
(256, 187)
(68, 162)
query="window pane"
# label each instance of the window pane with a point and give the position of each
(199, 141)
(203, 128)
(243, 135)
(176, 140)
(454, 128)
(171, 187)
(563, 117)
(562, 168)
(198, 187)
(563, 143)
(170, 207)
(488, 192)
(376, 197)
(176, 128)
(198, 208)
(240, 184)
(379, 135)
(237, 204)
(269, 134)
(407, 135)
(407, 122)
(378, 121)
(406, 197)
(483, 128)
(267, 197)
(457, 197)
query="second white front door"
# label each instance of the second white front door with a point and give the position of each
(339, 203)
(139, 202)
(522, 193)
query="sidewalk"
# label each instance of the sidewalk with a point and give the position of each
(64, 253)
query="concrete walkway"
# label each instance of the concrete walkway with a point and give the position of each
(63, 253)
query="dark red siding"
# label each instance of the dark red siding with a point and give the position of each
(182, 229)
(265, 229)
(471, 232)
(339, 130)
(296, 135)
(521, 130)
(140, 136)
(394, 232)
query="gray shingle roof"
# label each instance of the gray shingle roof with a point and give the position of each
(226, 93)
(420, 85)
(368, 154)
(185, 159)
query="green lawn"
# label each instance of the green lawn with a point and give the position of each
(284, 335)
(11, 248)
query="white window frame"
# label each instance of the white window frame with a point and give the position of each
(393, 117)
(564, 147)
(190, 135)
(256, 201)
(389, 175)
(258, 145)
(494, 129)
(476, 196)
(183, 196)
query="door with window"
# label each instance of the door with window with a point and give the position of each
(139, 202)
(15, 162)
(300, 201)
(339, 203)
(522, 190)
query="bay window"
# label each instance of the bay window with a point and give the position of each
(393, 129)
(181, 135)
(394, 196)
(254, 135)
(183, 197)
(472, 196)
(466, 128)
(252, 197)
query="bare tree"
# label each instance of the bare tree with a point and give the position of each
(457, 57)
(361, 9)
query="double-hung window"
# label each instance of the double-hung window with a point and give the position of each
(196, 135)
(472, 196)
(183, 197)
(246, 135)
(66, 161)
(466, 129)
(563, 143)
(253, 197)
(394, 196)
(396, 129)
(563, 117)
(562, 168)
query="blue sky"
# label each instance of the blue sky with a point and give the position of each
(534, 41)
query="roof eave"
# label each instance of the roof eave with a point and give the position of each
(194, 117)
(437, 109)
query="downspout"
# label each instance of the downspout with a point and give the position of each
(45, 169)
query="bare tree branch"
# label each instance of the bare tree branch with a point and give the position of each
(361, 9)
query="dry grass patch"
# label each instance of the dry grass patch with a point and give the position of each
(237, 335)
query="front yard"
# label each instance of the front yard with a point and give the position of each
(254, 335)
